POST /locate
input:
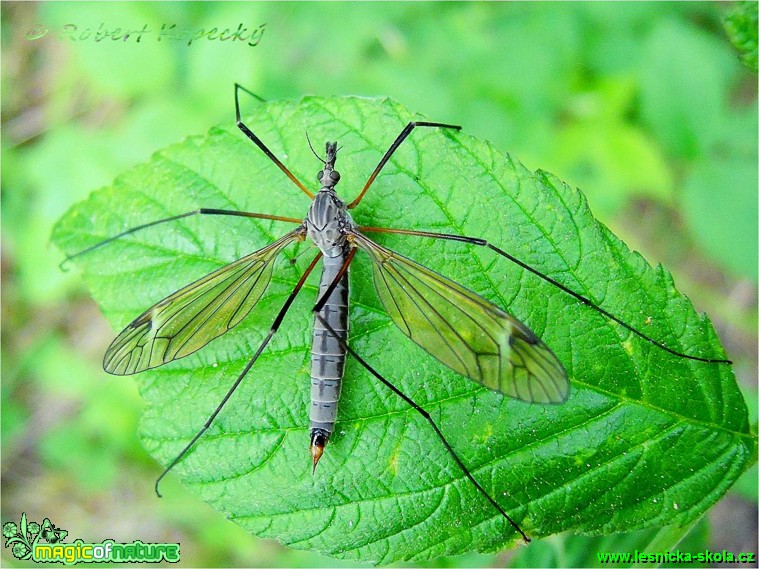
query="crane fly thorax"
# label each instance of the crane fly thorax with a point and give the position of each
(328, 222)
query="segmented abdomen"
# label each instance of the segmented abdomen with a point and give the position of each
(327, 355)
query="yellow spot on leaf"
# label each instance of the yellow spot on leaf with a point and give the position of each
(485, 435)
(627, 346)
(393, 462)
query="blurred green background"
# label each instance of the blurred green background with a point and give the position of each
(644, 106)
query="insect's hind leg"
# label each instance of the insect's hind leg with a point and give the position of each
(432, 423)
(317, 308)
(393, 147)
(200, 211)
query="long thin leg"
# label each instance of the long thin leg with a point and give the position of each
(247, 132)
(274, 328)
(393, 147)
(429, 419)
(201, 211)
(582, 299)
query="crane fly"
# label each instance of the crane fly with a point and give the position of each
(464, 331)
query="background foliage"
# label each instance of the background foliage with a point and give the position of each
(646, 107)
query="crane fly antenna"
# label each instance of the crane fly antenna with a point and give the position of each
(235, 385)
(322, 160)
(587, 302)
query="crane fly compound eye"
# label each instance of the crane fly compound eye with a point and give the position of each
(320, 175)
(334, 176)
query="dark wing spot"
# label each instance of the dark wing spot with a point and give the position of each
(522, 332)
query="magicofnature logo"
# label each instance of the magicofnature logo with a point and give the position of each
(43, 543)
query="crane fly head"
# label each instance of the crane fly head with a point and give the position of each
(329, 177)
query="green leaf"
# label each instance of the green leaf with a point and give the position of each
(741, 23)
(616, 550)
(646, 439)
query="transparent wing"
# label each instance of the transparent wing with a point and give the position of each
(464, 331)
(193, 316)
